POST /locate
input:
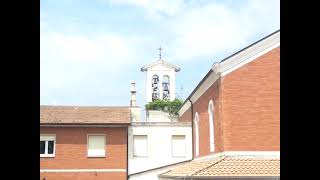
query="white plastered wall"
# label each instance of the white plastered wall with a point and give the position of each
(159, 146)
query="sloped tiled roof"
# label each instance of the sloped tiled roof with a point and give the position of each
(189, 169)
(84, 115)
(228, 166)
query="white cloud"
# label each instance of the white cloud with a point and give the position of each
(79, 61)
(202, 32)
(72, 61)
(155, 8)
(206, 28)
(107, 48)
(215, 28)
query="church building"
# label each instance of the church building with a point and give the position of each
(235, 115)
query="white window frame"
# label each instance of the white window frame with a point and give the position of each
(46, 145)
(185, 149)
(211, 125)
(196, 121)
(137, 156)
(105, 143)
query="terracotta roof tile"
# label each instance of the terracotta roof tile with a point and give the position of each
(192, 167)
(228, 166)
(84, 115)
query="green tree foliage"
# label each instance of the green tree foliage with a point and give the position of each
(165, 105)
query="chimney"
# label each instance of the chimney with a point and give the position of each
(135, 110)
(133, 94)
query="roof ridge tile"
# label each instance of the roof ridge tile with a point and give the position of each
(203, 169)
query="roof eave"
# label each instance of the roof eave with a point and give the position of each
(175, 69)
(197, 87)
(85, 124)
(145, 67)
(216, 66)
(220, 177)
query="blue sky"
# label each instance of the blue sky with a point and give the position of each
(90, 51)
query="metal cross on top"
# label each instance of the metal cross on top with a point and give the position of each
(160, 49)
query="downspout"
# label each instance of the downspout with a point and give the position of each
(192, 127)
(128, 152)
(132, 104)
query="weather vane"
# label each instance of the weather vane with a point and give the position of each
(160, 49)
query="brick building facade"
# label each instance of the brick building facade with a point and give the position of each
(76, 153)
(235, 109)
(246, 104)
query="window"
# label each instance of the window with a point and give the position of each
(140, 146)
(47, 145)
(211, 125)
(166, 87)
(196, 123)
(96, 145)
(178, 146)
(155, 87)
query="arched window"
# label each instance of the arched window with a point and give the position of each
(155, 87)
(196, 123)
(166, 87)
(211, 125)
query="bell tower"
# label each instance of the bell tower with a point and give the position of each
(161, 78)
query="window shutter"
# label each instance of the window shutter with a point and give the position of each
(140, 146)
(178, 146)
(47, 137)
(96, 145)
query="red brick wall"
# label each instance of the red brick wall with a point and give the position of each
(201, 106)
(71, 151)
(246, 108)
(83, 176)
(186, 116)
(251, 105)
